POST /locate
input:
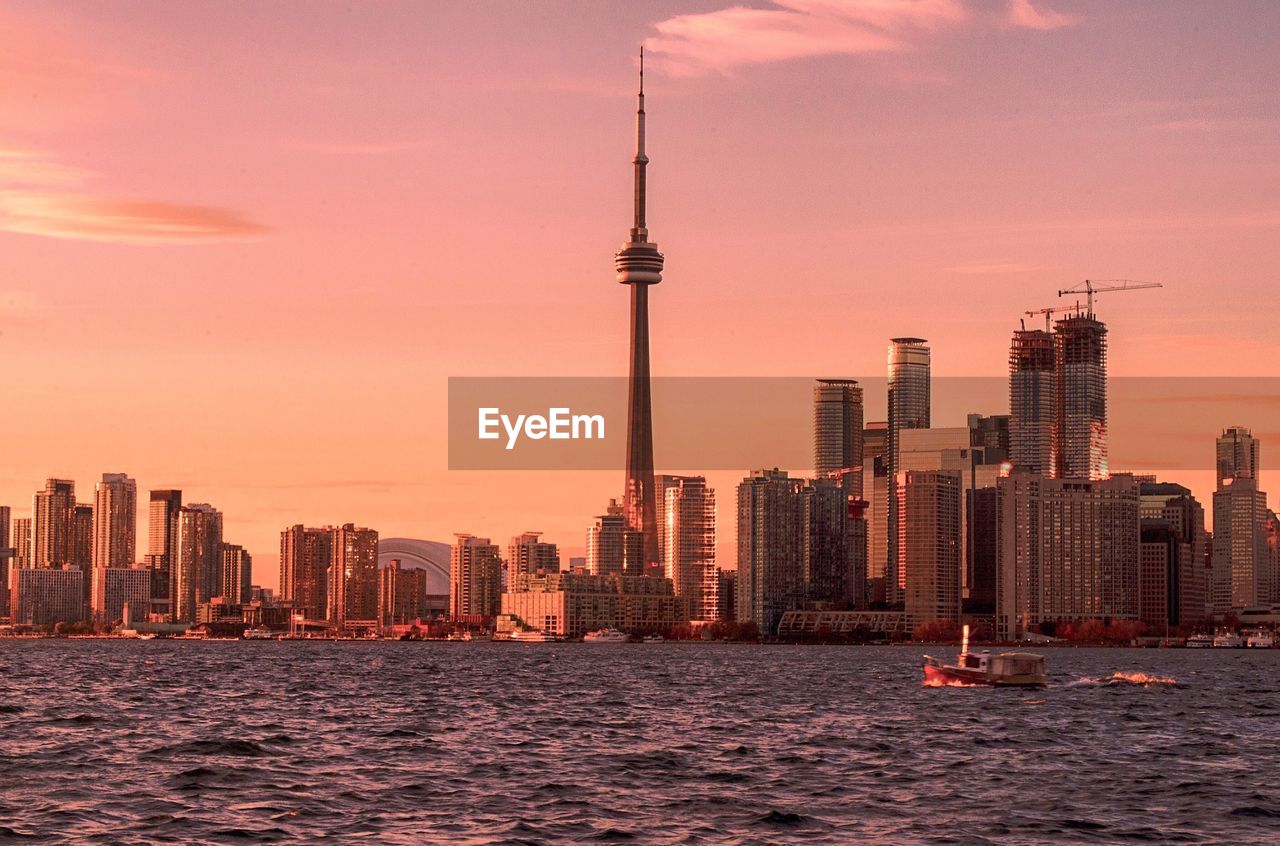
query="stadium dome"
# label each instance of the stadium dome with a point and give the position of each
(431, 556)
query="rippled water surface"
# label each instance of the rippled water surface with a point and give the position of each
(131, 742)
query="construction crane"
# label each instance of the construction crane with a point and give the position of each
(1091, 286)
(1049, 313)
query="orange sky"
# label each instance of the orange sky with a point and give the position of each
(243, 246)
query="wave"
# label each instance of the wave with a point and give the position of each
(1125, 678)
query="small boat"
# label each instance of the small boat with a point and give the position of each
(1007, 669)
(458, 636)
(654, 639)
(606, 636)
(1261, 640)
(1228, 640)
(1199, 641)
(532, 636)
(259, 634)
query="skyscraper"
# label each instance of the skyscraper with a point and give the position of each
(1237, 451)
(639, 265)
(196, 574)
(1033, 402)
(1241, 558)
(162, 533)
(909, 408)
(770, 579)
(1173, 506)
(21, 542)
(689, 513)
(875, 483)
(929, 538)
(8, 559)
(402, 594)
(614, 547)
(1080, 357)
(115, 521)
(475, 578)
(237, 574)
(830, 558)
(353, 575)
(53, 524)
(837, 432)
(305, 555)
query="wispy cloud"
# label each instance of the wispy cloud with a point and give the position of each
(41, 196)
(1023, 14)
(996, 267)
(722, 40)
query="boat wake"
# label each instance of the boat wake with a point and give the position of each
(1121, 679)
(936, 682)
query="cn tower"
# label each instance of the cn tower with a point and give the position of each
(639, 264)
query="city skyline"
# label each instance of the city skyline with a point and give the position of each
(214, 416)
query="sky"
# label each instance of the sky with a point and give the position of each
(243, 246)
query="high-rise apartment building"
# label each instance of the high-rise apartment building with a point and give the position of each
(829, 560)
(875, 482)
(1080, 357)
(1241, 557)
(8, 560)
(475, 577)
(528, 553)
(909, 408)
(929, 541)
(42, 596)
(162, 539)
(117, 590)
(689, 516)
(1165, 504)
(1033, 402)
(402, 594)
(1164, 563)
(1069, 550)
(53, 525)
(237, 574)
(115, 521)
(770, 577)
(613, 546)
(196, 575)
(21, 540)
(1237, 454)
(305, 556)
(353, 576)
(837, 433)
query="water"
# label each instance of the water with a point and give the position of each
(132, 742)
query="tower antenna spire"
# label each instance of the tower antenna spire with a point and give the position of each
(639, 230)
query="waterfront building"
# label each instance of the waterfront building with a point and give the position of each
(829, 557)
(305, 557)
(1033, 402)
(1174, 506)
(1069, 550)
(930, 543)
(909, 404)
(573, 604)
(1164, 562)
(770, 543)
(875, 481)
(689, 539)
(8, 559)
(197, 560)
(116, 590)
(838, 433)
(53, 526)
(528, 553)
(639, 265)
(21, 539)
(237, 574)
(1080, 358)
(82, 538)
(42, 596)
(162, 536)
(115, 521)
(475, 578)
(1241, 557)
(353, 576)
(613, 546)
(727, 595)
(402, 594)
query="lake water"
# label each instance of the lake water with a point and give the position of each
(132, 742)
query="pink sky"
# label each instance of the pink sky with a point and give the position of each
(242, 246)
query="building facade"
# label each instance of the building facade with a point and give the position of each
(53, 524)
(117, 590)
(837, 433)
(573, 604)
(115, 521)
(929, 542)
(42, 596)
(528, 553)
(197, 560)
(305, 557)
(475, 578)
(353, 575)
(910, 404)
(689, 540)
(614, 548)
(770, 577)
